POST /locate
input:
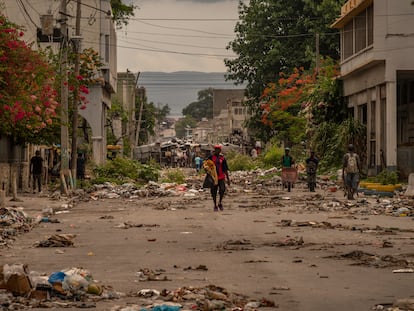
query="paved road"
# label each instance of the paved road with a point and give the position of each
(249, 248)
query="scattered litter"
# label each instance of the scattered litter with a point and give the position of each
(57, 240)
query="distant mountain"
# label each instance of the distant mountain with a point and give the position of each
(179, 89)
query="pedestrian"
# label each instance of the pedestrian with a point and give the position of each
(311, 168)
(36, 170)
(222, 170)
(351, 166)
(253, 153)
(287, 159)
(198, 163)
(80, 167)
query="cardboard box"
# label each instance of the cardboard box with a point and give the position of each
(39, 294)
(19, 284)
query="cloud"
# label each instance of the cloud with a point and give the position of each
(183, 35)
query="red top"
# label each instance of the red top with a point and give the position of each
(221, 166)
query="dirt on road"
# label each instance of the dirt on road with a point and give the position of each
(269, 249)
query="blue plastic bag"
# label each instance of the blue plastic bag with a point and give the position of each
(164, 308)
(56, 277)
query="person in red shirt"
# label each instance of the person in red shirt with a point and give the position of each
(222, 173)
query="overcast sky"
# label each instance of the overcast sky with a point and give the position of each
(178, 35)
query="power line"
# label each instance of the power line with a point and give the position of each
(186, 19)
(180, 28)
(222, 36)
(177, 44)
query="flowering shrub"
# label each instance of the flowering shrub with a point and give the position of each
(90, 63)
(27, 97)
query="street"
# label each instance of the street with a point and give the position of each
(299, 250)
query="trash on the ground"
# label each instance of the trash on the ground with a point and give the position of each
(128, 224)
(242, 244)
(13, 221)
(57, 240)
(151, 275)
(288, 241)
(378, 261)
(403, 271)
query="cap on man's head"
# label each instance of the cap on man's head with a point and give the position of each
(217, 147)
(287, 149)
(350, 147)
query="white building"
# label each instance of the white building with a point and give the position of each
(97, 31)
(377, 69)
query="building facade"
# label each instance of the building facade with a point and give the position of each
(42, 21)
(229, 116)
(377, 69)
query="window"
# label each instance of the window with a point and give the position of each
(107, 48)
(348, 40)
(358, 33)
(370, 25)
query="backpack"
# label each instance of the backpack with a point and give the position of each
(352, 165)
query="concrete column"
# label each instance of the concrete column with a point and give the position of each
(391, 122)
(378, 128)
(97, 150)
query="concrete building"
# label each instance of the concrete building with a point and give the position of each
(126, 96)
(229, 115)
(41, 23)
(377, 69)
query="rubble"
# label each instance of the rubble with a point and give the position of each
(21, 289)
(378, 261)
(13, 221)
(57, 240)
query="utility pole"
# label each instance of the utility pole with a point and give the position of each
(76, 47)
(64, 133)
(141, 99)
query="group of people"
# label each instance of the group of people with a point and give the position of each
(218, 172)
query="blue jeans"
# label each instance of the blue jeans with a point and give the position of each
(352, 181)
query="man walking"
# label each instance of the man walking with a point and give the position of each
(222, 173)
(350, 171)
(311, 168)
(36, 170)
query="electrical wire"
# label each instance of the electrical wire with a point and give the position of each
(25, 13)
(180, 28)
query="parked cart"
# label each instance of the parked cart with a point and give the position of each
(289, 177)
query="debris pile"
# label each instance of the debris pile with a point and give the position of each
(205, 298)
(362, 258)
(12, 222)
(75, 287)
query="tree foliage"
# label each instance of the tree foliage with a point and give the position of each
(203, 107)
(122, 12)
(331, 139)
(183, 124)
(28, 99)
(274, 36)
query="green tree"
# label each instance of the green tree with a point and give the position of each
(151, 117)
(122, 12)
(183, 124)
(203, 107)
(275, 36)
